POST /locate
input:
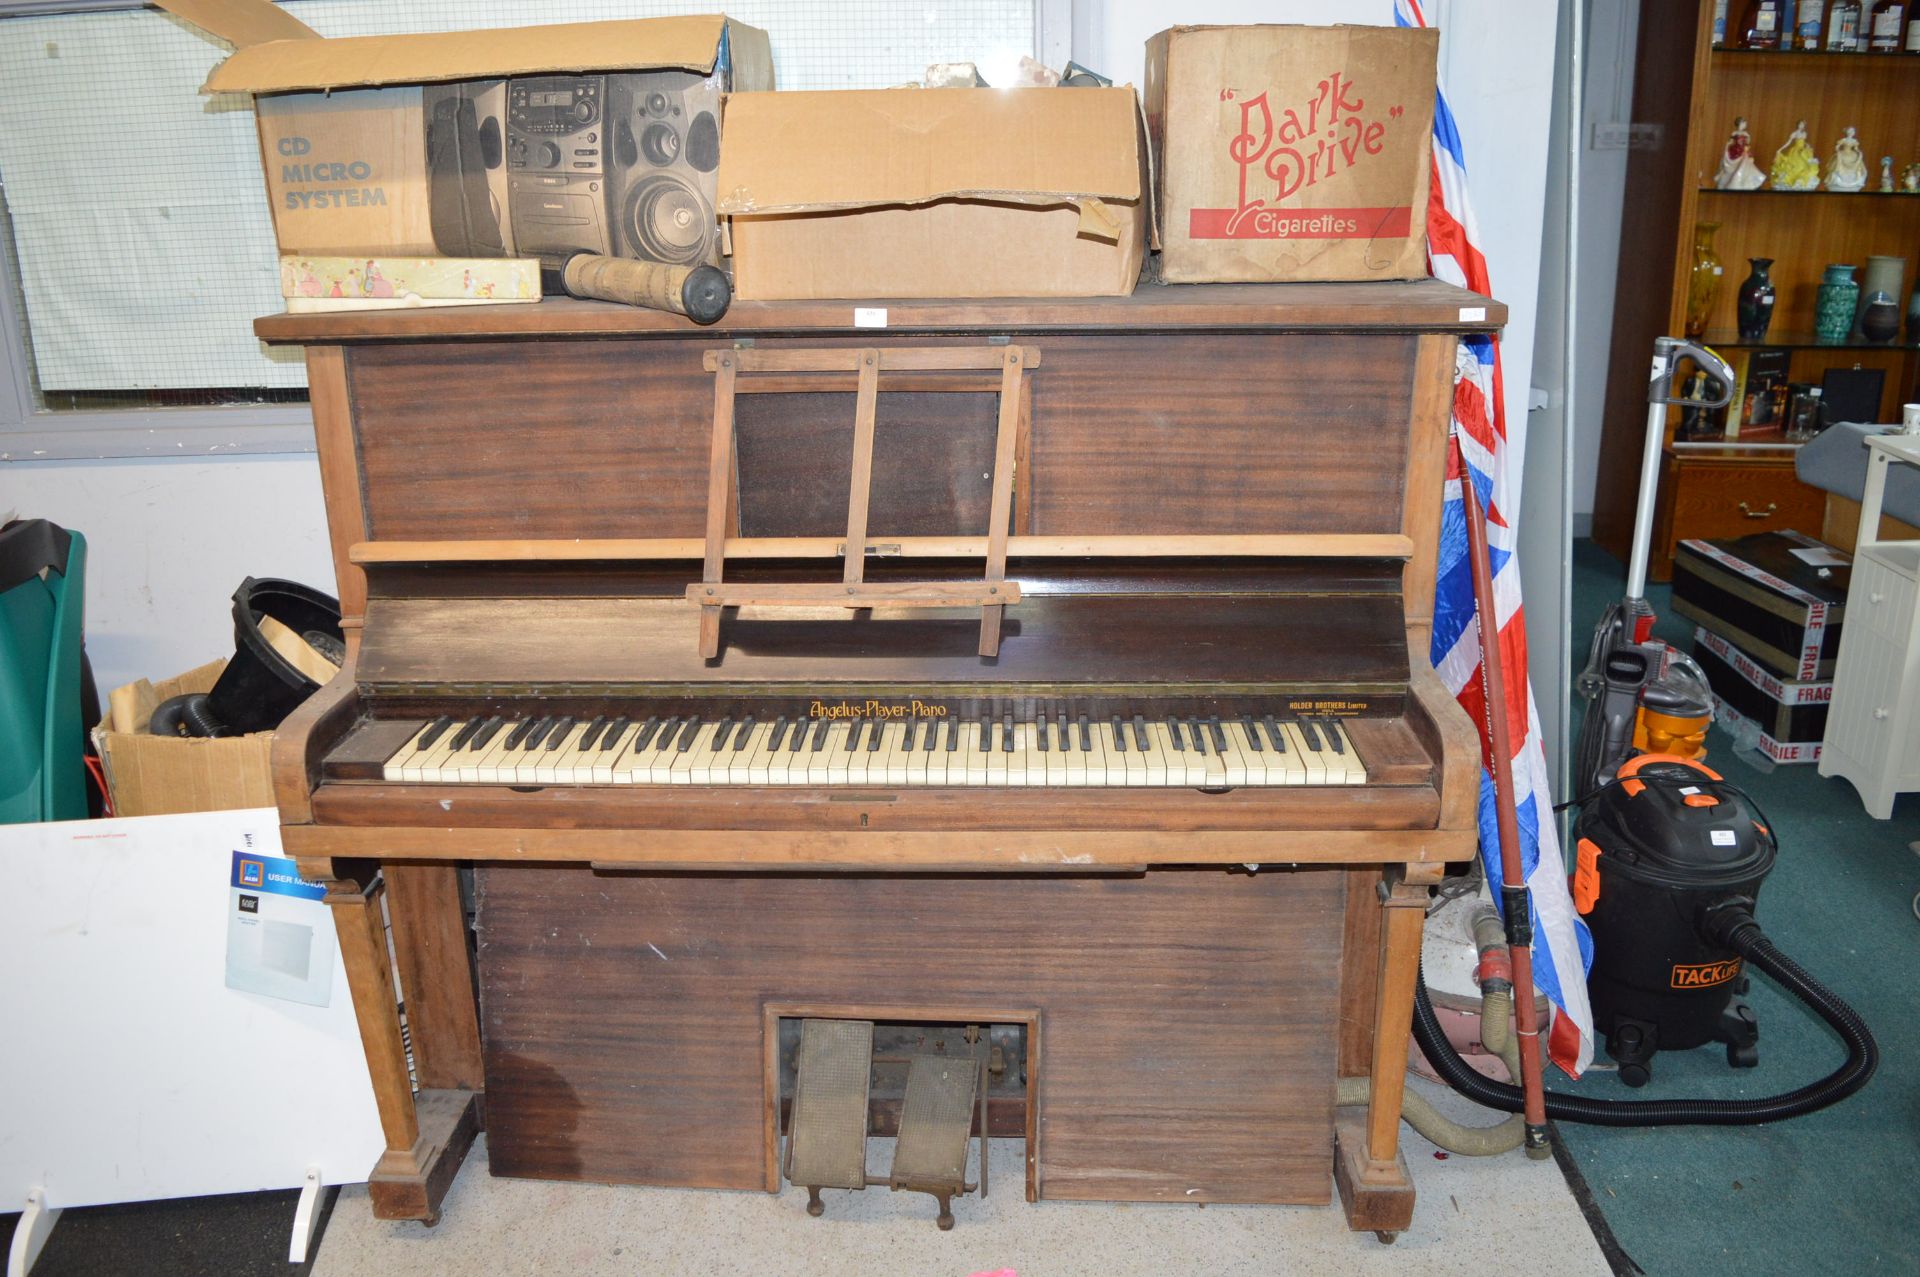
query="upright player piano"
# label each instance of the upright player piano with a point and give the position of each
(926, 717)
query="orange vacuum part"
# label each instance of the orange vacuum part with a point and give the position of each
(1676, 735)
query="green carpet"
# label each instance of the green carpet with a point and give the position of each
(1834, 1192)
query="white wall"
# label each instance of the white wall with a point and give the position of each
(1612, 29)
(168, 541)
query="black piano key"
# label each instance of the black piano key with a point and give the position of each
(538, 734)
(465, 734)
(1253, 733)
(820, 735)
(488, 730)
(933, 730)
(615, 730)
(1275, 735)
(518, 735)
(873, 737)
(986, 735)
(687, 735)
(649, 728)
(953, 735)
(1332, 734)
(721, 730)
(853, 734)
(1040, 726)
(1086, 735)
(435, 730)
(1006, 735)
(909, 730)
(779, 733)
(1173, 730)
(1219, 735)
(1312, 732)
(592, 734)
(558, 735)
(1119, 736)
(746, 731)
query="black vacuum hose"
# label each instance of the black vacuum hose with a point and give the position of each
(1737, 931)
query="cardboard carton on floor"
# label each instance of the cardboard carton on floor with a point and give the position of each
(158, 775)
(407, 146)
(1285, 153)
(935, 193)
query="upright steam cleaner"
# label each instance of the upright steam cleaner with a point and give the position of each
(1670, 860)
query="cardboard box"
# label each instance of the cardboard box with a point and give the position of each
(935, 193)
(159, 775)
(1291, 152)
(1780, 597)
(1790, 717)
(417, 145)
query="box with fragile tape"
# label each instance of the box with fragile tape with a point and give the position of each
(1791, 715)
(1780, 597)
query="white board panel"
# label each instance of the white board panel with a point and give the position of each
(130, 1070)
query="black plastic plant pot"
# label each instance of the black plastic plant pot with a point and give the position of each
(260, 687)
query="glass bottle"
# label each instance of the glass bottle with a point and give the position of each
(1886, 24)
(1705, 279)
(1843, 26)
(1913, 35)
(1755, 301)
(1807, 25)
(1760, 24)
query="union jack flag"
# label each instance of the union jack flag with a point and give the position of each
(1562, 947)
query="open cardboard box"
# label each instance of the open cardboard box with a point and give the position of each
(935, 193)
(158, 775)
(343, 122)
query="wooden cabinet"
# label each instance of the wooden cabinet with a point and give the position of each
(1695, 92)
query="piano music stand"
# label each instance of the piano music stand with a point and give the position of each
(713, 593)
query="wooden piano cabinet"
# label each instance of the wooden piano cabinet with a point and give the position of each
(490, 472)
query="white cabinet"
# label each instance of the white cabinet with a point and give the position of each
(1873, 729)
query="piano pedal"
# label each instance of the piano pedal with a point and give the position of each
(936, 1120)
(827, 1143)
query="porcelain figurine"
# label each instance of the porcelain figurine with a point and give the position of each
(1886, 175)
(1910, 178)
(1795, 166)
(1847, 171)
(1738, 172)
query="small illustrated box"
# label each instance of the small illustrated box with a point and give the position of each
(1291, 152)
(383, 283)
(1780, 597)
(1791, 716)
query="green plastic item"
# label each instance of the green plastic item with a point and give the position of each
(43, 773)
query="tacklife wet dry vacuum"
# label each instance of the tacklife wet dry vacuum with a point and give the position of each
(1670, 858)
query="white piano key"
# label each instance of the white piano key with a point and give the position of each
(662, 754)
(552, 766)
(837, 754)
(614, 742)
(976, 764)
(1316, 768)
(899, 754)
(466, 770)
(497, 767)
(1022, 758)
(1250, 762)
(1054, 757)
(1215, 760)
(1352, 770)
(1234, 756)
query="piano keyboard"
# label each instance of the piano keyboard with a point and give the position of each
(1205, 753)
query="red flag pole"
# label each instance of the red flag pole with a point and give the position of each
(1515, 901)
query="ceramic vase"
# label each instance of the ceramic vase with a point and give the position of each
(1834, 306)
(1703, 284)
(1880, 318)
(1756, 300)
(1883, 275)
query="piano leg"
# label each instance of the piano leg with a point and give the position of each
(426, 1138)
(1375, 1189)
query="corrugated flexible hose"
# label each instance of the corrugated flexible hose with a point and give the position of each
(1496, 1034)
(1736, 930)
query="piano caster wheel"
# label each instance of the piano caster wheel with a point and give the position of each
(1386, 1238)
(945, 1221)
(815, 1207)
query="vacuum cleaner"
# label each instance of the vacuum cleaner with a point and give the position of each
(1670, 858)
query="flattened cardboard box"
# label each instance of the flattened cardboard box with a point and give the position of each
(344, 122)
(1288, 153)
(151, 775)
(934, 193)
